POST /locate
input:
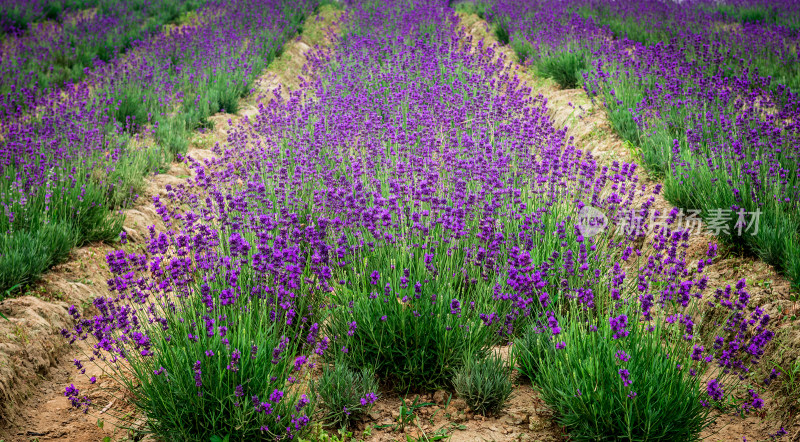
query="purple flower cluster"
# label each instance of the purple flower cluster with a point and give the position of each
(76, 400)
(369, 399)
(618, 325)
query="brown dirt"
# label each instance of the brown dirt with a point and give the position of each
(442, 413)
(525, 418)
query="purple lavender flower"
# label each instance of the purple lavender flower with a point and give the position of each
(714, 390)
(276, 396)
(618, 325)
(625, 376)
(198, 381)
(236, 356)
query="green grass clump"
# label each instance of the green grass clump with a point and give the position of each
(30, 253)
(484, 384)
(478, 8)
(755, 14)
(345, 395)
(529, 350)
(581, 377)
(413, 336)
(501, 30)
(522, 49)
(564, 67)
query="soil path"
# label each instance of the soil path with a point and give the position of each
(36, 363)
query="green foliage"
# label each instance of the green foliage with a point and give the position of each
(165, 387)
(629, 27)
(51, 10)
(407, 416)
(523, 49)
(412, 337)
(45, 226)
(789, 382)
(172, 135)
(637, 31)
(619, 101)
(417, 344)
(131, 110)
(478, 7)
(17, 18)
(341, 391)
(127, 179)
(528, 351)
(501, 30)
(320, 434)
(296, 19)
(583, 384)
(484, 384)
(563, 67)
(755, 14)
(27, 254)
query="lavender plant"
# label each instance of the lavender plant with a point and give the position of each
(564, 68)
(606, 386)
(205, 344)
(345, 395)
(484, 384)
(646, 367)
(414, 337)
(529, 350)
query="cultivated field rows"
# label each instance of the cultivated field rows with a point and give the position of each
(342, 169)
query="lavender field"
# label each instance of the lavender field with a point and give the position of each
(367, 222)
(706, 91)
(74, 153)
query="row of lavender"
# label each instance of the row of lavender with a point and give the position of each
(17, 16)
(706, 91)
(407, 210)
(36, 64)
(85, 150)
